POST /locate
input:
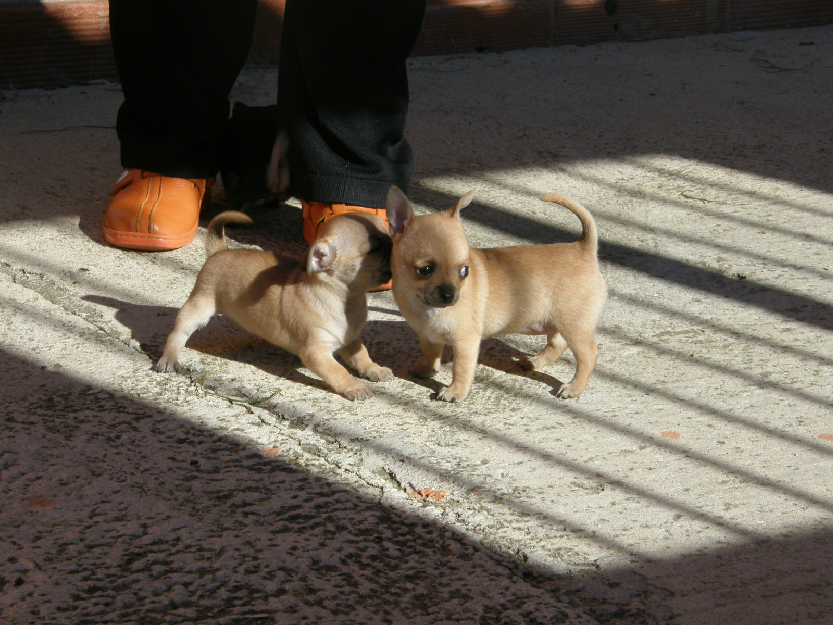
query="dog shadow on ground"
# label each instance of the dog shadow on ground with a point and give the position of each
(501, 356)
(399, 343)
(390, 343)
(150, 326)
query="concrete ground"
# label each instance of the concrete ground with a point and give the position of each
(690, 484)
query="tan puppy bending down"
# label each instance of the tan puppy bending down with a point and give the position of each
(314, 308)
(451, 294)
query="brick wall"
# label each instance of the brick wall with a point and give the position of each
(50, 43)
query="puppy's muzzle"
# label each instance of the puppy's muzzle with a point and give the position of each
(444, 295)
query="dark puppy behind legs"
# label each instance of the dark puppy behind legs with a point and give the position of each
(256, 160)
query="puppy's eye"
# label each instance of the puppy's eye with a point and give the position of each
(425, 271)
(464, 271)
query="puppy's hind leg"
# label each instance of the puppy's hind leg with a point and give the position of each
(355, 354)
(586, 353)
(193, 315)
(555, 347)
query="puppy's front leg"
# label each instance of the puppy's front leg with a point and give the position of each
(355, 354)
(319, 360)
(194, 314)
(431, 356)
(465, 362)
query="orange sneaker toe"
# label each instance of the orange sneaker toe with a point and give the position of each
(153, 212)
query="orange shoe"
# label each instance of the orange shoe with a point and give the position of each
(316, 214)
(154, 212)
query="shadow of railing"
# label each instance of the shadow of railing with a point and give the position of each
(112, 485)
(143, 318)
(105, 494)
(746, 292)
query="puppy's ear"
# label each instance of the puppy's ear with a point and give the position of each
(399, 211)
(320, 256)
(464, 201)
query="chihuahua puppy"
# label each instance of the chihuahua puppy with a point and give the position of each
(314, 308)
(451, 294)
(255, 168)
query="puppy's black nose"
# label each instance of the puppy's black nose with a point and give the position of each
(446, 294)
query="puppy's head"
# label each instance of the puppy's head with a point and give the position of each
(255, 163)
(353, 249)
(430, 260)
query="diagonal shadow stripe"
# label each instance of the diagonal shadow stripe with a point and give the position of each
(747, 292)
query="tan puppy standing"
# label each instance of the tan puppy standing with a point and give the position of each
(451, 294)
(314, 308)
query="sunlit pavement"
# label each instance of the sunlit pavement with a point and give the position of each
(689, 484)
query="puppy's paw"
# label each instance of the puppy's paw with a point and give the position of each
(453, 394)
(423, 370)
(166, 365)
(358, 391)
(378, 374)
(567, 391)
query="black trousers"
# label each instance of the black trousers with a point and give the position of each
(342, 89)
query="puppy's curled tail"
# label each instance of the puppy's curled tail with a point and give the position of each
(215, 238)
(589, 236)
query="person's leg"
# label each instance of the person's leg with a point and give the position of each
(177, 62)
(343, 97)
